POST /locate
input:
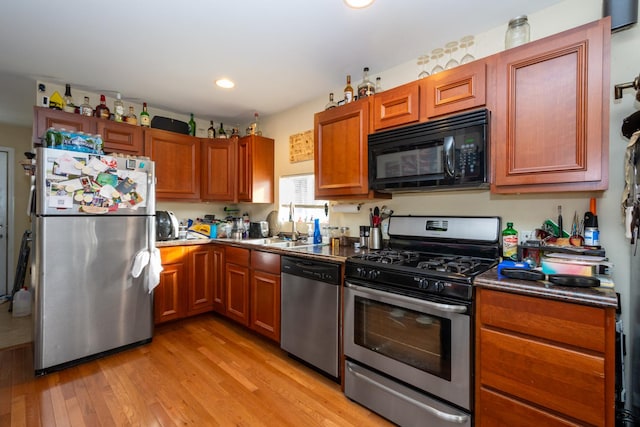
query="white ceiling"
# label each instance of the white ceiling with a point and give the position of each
(280, 53)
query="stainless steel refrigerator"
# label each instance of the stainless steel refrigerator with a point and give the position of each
(92, 217)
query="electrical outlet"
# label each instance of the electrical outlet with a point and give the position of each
(526, 235)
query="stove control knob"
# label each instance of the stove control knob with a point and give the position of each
(373, 274)
(361, 272)
(438, 286)
(423, 283)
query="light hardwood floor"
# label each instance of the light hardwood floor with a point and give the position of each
(204, 371)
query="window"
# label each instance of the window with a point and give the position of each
(299, 189)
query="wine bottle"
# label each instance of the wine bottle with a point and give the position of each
(85, 108)
(102, 111)
(211, 132)
(366, 88)
(192, 126)
(348, 90)
(145, 120)
(69, 106)
(118, 108)
(331, 103)
(131, 117)
(256, 127)
(221, 132)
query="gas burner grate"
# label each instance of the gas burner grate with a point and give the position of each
(391, 257)
(450, 264)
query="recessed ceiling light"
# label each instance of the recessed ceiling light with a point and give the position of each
(358, 4)
(225, 83)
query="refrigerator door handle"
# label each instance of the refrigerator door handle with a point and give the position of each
(32, 193)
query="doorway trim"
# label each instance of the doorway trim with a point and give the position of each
(9, 230)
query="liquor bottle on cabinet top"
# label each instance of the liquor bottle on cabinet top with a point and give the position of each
(348, 90)
(192, 126)
(378, 85)
(69, 106)
(211, 132)
(131, 117)
(102, 111)
(85, 108)
(256, 126)
(221, 132)
(366, 88)
(145, 120)
(118, 108)
(331, 103)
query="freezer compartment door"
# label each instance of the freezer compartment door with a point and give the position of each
(86, 300)
(75, 183)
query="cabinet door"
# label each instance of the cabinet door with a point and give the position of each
(44, 118)
(245, 170)
(265, 304)
(237, 293)
(551, 128)
(168, 296)
(219, 290)
(450, 91)
(121, 137)
(218, 169)
(340, 158)
(397, 106)
(177, 160)
(201, 277)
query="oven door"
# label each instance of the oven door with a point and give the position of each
(419, 342)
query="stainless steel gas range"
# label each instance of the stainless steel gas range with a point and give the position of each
(408, 319)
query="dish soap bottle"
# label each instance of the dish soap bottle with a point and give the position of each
(317, 236)
(510, 243)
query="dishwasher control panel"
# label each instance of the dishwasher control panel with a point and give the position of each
(311, 269)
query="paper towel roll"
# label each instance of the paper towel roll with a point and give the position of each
(347, 208)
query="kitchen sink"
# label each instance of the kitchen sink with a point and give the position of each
(274, 242)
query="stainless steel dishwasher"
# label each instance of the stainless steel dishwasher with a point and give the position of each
(310, 304)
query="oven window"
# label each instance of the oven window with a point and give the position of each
(409, 163)
(411, 337)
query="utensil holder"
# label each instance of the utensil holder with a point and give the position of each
(375, 239)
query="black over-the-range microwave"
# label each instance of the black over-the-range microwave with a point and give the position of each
(443, 154)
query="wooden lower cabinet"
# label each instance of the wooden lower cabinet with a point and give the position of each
(168, 296)
(543, 362)
(189, 282)
(237, 284)
(219, 292)
(265, 294)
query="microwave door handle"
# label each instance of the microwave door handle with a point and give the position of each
(449, 156)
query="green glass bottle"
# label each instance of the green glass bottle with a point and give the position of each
(145, 120)
(192, 126)
(221, 132)
(510, 243)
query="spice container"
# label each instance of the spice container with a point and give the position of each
(517, 32)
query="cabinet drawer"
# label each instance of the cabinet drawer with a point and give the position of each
(397, 106)
(265, 261)
(238, 256)
(173, 254)
(499, 410)
(571, 324)
(554, 377)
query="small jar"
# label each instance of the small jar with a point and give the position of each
(517, 32)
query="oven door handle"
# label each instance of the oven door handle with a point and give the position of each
(451, 418)
(448, 308)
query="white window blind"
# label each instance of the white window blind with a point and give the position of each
(299, 190)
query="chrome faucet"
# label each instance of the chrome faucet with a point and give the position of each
(294, 233)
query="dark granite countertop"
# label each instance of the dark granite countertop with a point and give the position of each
(597, 297)
(317, 252)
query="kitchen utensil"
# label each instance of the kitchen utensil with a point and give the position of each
(572, 280)
(560, 228)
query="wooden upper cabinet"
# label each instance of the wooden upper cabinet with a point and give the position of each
(460, 88)
(44, 118)
(340, 160)
(121, 137)
(177, 160)
(218, 169)
(396, 107)
(551, 115)
(238, 169)
(255, 171)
